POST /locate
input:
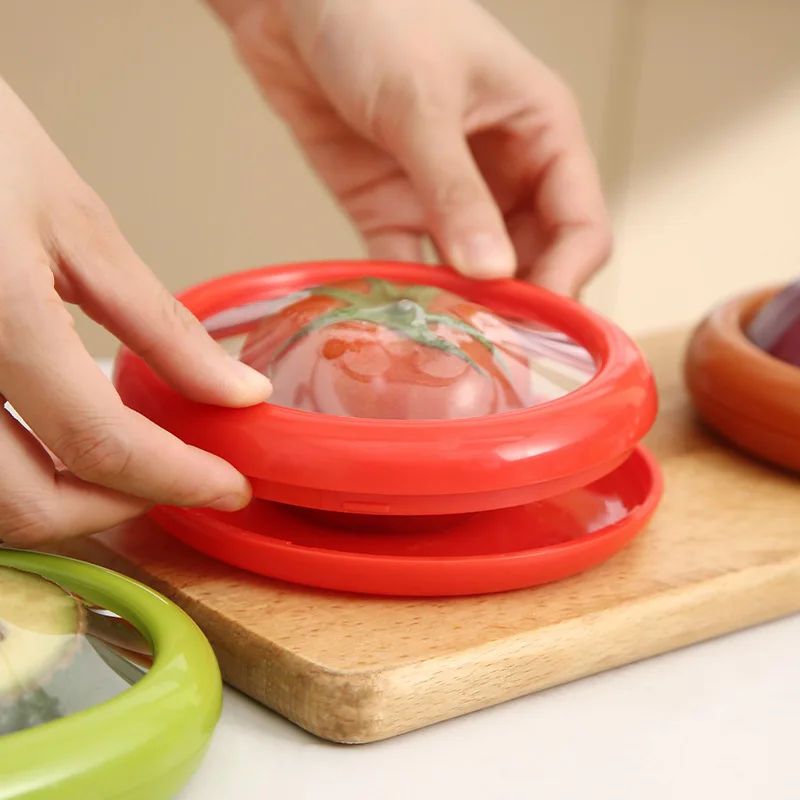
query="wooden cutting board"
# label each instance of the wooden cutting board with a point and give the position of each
(722, 553)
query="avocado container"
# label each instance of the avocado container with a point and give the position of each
(108, 691)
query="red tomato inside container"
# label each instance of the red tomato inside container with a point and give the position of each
(379, 349)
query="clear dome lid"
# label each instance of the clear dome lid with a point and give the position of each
(380, 349)
(60, 654)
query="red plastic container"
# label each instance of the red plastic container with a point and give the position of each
(435, 507)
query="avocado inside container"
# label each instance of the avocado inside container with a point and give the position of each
(427, 434)
(107, 690)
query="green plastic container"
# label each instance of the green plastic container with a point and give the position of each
(146, 734)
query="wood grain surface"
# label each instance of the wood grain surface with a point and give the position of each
(722, 553)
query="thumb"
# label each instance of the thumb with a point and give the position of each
(462, 214)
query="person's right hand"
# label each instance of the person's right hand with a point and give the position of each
(430, 121)
(59, 244)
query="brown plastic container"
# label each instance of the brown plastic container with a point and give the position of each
(748, 396)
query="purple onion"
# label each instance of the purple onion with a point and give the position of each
(776, 327)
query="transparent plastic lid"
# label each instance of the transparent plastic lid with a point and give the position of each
(378, 349)
(59, 654)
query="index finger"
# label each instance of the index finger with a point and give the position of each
(53, 383)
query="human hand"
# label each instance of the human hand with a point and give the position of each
(429, 118)
(59, 244)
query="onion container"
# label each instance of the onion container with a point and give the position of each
(743, 373)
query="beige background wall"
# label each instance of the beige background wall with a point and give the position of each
(693, 107)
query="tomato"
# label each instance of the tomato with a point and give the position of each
(382, 350)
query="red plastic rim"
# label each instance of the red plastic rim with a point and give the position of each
(415, 467)
(490, 552)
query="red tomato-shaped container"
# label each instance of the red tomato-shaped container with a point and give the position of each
(487, 432)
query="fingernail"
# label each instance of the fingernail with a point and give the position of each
(484, 255)
(230, 502)
(251, 377)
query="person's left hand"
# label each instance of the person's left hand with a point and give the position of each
(426, 118)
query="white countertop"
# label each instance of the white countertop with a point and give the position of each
(717, 720)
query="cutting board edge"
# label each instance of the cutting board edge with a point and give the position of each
(379, 703)
(362, 706)
(460, 684)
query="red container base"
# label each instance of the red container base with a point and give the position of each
(483, 553)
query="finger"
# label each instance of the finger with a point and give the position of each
(527, 237)
(530, 244)
(570, 261)
(462, 214)
(63, 395)
(106, 278)
(569, 205)
(395, 246)
(38, 504)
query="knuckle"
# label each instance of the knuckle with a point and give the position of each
(605, 245)
(98, 453)
(599, 237)
(177, 312)
(88, 229)
(567, 110)
(456, 195)
(405, 104)
(88, 208)
(25, 272)
(25, 522)
(177, 319)
(27, 297)
(413, 93)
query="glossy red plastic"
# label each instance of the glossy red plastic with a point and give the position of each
(417, 468)
(483, 553)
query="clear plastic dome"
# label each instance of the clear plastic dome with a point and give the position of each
(379, 349)
(59, 654)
